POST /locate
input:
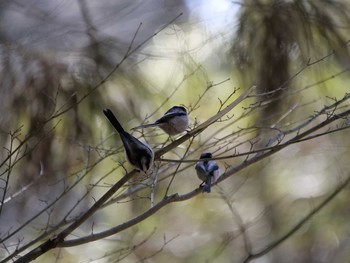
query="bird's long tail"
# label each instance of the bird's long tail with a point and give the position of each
(113, 120)
(145, 126)
(207, 185)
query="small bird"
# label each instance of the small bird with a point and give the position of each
(173, 122)
(207, 170)
(138, 154)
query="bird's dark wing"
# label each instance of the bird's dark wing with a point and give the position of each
(212, 166)
(136, 151)
(169, 116)
(200, 168)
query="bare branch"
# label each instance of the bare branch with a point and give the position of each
(301, 223)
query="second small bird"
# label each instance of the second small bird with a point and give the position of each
(207, 170)
(173, 122)
(139, 154)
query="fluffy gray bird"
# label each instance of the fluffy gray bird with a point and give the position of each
(139, 154)
(207, 170)
(173, 122)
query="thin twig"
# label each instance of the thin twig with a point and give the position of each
(301, 223)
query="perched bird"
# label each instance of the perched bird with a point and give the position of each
(207, 170)
(174, 121)
(138, 154)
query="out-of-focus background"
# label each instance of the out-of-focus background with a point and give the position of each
(62, 62)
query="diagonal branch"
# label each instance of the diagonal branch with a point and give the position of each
(302, 222)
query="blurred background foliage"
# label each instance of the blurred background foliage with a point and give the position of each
(53, 57)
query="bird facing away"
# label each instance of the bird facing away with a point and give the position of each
(139, 154)
(173, 122)
(207, 170)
